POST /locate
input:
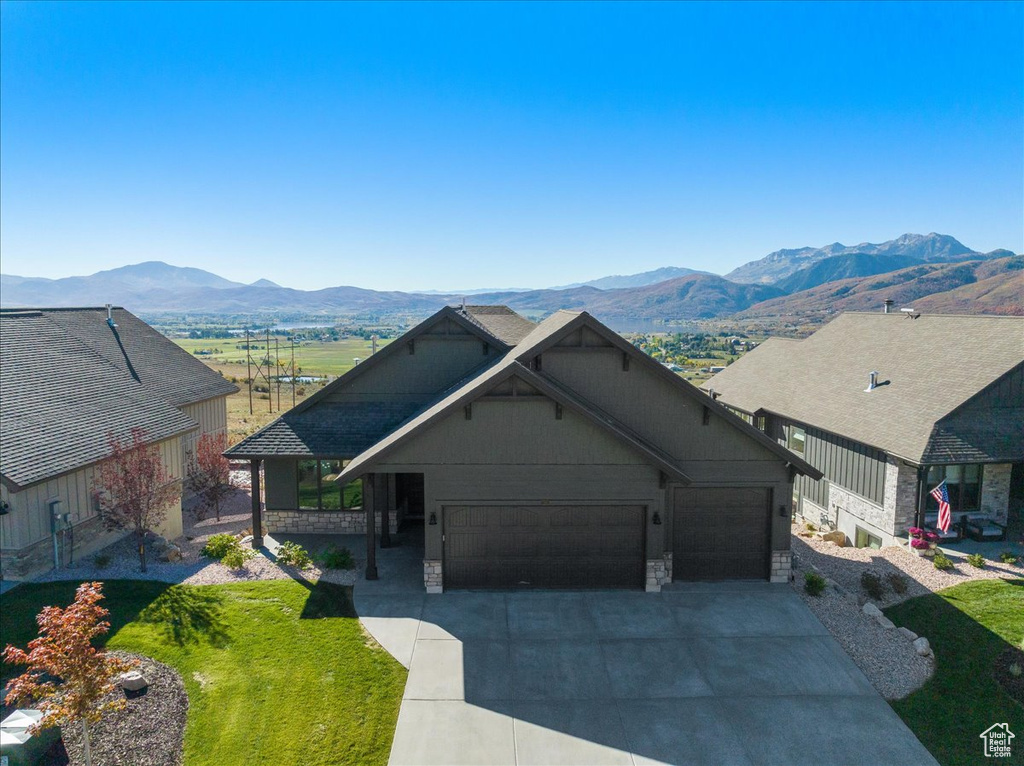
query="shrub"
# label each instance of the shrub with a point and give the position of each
(942, 562)
(811, 527)
(337, 558)
(102, 560)
(236, 557)
(219, 545)
(1008, 557)
(872, 585)
(976, 560)
(293, 555)
(897, 582)
(814, 583)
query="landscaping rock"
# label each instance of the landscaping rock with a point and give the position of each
(911, 635)
(839, 538)
(133, 681)
(885, 622)
(922, 647)
(871, 610)
(170, 553)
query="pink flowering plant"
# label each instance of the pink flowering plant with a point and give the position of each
(915, 531)
(918, 544)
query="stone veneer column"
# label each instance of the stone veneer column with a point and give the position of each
(433, 579)
(782, 562)
(659, 573)
(995, 491)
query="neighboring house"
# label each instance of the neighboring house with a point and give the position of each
(887, 406)
(551, 455)
(68, 379)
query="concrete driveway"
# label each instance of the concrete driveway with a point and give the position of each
(717, 674)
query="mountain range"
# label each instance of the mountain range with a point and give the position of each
(809, 282)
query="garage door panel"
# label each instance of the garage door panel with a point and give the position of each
(544, 547)
(720, 534)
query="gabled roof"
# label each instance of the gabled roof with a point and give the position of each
(508, 368)
(927, 367)
(60, 398)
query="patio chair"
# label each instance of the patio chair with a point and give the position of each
(983, 529)
(953, 535)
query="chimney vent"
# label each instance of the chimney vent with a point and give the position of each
(872, 381)
(887, 306)
(110, 317)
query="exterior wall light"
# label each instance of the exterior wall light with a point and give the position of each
(656, 519)
(433, 519)
(782, 511)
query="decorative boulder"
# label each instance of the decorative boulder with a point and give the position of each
(911, 635)
(885, 622)
(837, 537)
(871, 610)
(922, 647)
(133, 681)
(170, 553)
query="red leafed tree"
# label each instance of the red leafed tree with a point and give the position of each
(209, 476)
(133, 488)
(68, 678)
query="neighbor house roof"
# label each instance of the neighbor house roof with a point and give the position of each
(927, 368)
(63, 392)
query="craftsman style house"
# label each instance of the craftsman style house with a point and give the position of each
(551, 455)
(888, 405)
(68, 379)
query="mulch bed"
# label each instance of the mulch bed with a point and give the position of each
(149, 732)
(1012, 684)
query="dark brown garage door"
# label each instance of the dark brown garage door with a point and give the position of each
(720, 534)
(525, 546)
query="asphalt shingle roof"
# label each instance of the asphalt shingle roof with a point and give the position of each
(60, 398)
(501, 322)
(928, 367)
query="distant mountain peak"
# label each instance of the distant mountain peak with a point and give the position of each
(264, 283)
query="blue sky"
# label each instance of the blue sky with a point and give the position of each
(448, 146)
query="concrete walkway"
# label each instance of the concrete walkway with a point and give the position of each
(718, 674)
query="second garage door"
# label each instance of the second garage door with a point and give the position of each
(721, 534)
(527, 546)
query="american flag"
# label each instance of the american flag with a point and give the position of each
(941, 495)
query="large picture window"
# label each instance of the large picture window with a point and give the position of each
(319, 492)
(797, 439)
(963, 482)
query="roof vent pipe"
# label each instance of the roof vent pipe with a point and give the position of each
(872, 381)
(110, 317)
(887, 306)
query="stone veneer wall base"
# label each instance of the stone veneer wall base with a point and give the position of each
(323, 522)
(782, 565)
(659, 573)
(433, 579)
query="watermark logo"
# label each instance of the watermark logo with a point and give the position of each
(997, 740)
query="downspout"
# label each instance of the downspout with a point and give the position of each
(54, 505)
(922, 473)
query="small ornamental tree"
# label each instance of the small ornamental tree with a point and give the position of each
(209, 475)
(69, 679)
(133, 488)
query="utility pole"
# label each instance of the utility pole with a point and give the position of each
(293, 369)
(270, 394)
(277, 371)
(248, 366)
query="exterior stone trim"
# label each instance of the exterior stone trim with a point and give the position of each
(90, 536)
(782, 565)
(995, 491)
(433, 577)
(659, 573)
(323, 522)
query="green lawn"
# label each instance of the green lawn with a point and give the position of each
(276, 671)
(311, 357)
(968, 626)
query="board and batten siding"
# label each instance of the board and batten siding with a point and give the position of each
(856, 467)
(212, 417)
(28, 520)
(518, 453)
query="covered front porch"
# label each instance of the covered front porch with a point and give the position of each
(388, 513)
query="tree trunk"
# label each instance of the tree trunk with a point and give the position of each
(141, 537)
(86, 749)
(216, 503)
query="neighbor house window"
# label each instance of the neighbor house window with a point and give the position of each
(318, 490)
(797, 439)
(963, 482)
(865, 539)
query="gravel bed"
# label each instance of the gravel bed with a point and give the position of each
(192, 568)
(886, 656)
(149, 732)
(845, 566)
